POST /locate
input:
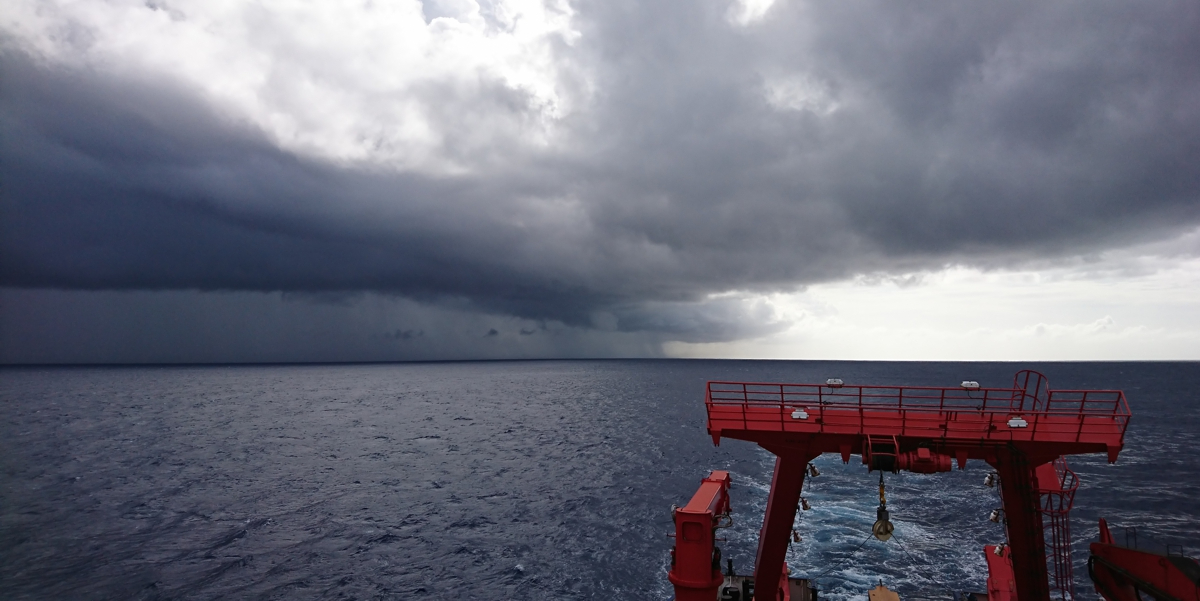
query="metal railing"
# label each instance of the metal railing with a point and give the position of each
(763, 404)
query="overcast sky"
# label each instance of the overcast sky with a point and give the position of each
(289, 181)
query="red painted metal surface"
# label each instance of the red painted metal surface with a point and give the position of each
(923, 461)
(1023, 523)
(695, 562)
(783, 592)
(786, 484)
(1015, 430)
(1066, 421)
(1123, 574)
(1001, 582)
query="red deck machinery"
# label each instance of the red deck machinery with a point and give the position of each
(1126, 573)
(695, 560)
(1022, 432)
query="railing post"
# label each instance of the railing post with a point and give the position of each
(1082, 418)
(862, 420)
(745, 408)
(782, 410)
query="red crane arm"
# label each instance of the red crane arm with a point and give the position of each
(1120, 573)
(695, 560)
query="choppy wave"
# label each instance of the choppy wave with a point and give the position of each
(535, 480)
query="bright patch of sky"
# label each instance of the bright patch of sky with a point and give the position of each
(799, 93)
(345, 81)
(1127, 305)
(746, 12)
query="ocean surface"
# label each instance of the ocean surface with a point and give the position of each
(495, 480)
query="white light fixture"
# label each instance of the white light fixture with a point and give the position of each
(970, 385)
(799, 414)
(834, 382)
(990, 480)
(1018, 422)
(813, 472)
(994, 516)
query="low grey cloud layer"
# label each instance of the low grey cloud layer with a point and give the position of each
(681, 152)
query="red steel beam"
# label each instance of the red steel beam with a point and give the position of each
(786, 484)
(1001, 582)
(1023, 517)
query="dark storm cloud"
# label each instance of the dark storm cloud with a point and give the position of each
(130, 185)
(917, 135)
(965, 132)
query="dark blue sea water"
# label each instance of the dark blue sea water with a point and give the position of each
(529, 480)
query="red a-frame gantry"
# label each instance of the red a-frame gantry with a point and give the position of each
(1019, 431)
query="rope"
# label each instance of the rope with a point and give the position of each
(847, 558)
(920, 572)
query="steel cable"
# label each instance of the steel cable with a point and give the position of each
(918, 570)
(846, 559)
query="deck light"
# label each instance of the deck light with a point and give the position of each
(834, 382)
(990, 480)
(799, 414)
(970, 385)
(994, 517)
(804, 504)
(813, 472)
